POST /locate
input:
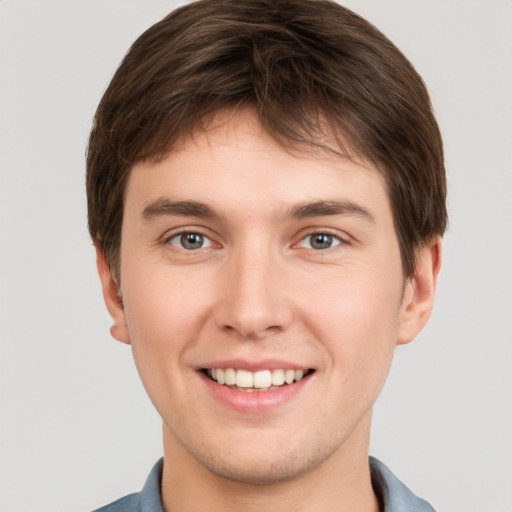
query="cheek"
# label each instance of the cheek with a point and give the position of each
(356, 316)
(164, 308)
(164, 315)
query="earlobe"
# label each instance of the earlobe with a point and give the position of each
(419, 292)
(112, 299)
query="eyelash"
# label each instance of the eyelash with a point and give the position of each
(179, 236)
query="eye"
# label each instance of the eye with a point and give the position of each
(319, 241)
(190, 241)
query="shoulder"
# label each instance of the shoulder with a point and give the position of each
(393, 495)
(130, 503)
(148, 500)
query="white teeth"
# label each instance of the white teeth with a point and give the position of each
(289, 376)
(230, 377)
(252, 381)
(263, 379)
(244, 379)
(277, 377)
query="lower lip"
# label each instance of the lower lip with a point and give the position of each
(255, 401)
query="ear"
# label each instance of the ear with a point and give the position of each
(112, 299)
(419, 292)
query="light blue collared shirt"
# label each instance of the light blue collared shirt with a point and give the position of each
(393, 495)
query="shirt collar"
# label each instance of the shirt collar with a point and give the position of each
(150, 500)
(393, 495)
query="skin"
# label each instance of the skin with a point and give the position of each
(258, 290)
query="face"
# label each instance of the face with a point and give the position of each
(263, 296)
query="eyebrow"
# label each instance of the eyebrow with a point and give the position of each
(164, 207)
(333, 207)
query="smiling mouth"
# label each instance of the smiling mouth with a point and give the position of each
(263, 380)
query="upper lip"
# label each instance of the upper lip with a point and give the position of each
(255, 365)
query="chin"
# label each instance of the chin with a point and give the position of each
(260, 472)
(265, 465)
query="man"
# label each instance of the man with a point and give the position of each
(266, 195)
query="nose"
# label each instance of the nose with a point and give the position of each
(253, 302)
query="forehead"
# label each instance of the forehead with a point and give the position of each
(234, 156)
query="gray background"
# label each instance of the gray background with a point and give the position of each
(77, 430)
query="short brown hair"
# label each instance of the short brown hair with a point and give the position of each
(310, 68)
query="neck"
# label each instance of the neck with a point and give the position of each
(341, 483)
